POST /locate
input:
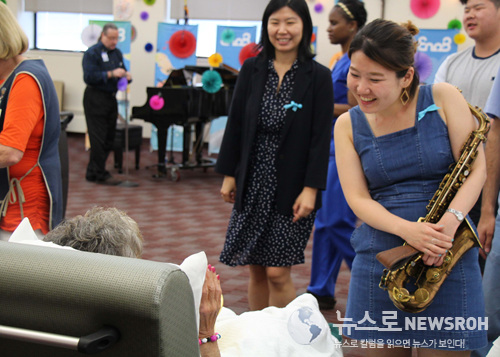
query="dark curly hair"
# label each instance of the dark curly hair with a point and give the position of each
(357, 9)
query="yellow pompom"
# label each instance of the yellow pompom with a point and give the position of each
(215, 60)
(459, 38)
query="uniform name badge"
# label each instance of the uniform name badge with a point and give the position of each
(104, 56)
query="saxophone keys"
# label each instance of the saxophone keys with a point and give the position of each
(383, 280)
(433, 275)
(421, 295)
(447, 259)
(401, 295)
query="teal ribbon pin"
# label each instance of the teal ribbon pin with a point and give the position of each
(293, 105)
(430, 108)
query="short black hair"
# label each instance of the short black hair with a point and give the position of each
(298, 6)
(495, 2)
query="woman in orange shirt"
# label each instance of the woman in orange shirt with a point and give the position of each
(30, 173)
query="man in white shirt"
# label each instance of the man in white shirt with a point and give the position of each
(474, 69)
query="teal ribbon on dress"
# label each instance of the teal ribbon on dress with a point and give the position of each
(430, 108)
(293, 105)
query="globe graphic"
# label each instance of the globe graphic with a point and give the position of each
(305, 325)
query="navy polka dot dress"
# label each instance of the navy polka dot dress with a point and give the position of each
(259, 235)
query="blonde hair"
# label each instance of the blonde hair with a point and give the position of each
(13, 40)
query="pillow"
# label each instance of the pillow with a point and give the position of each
(25, 234)
(495, 349)
(299, 329)
(195, 267)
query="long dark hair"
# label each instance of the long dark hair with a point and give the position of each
(391, 45)
(299, 7)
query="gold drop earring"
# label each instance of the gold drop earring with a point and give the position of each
(405, 97)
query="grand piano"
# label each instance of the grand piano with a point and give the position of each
(188, 106)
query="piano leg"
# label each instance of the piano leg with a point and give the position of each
(186, 143)
(197, 146)
(162, 144)
(200, 126)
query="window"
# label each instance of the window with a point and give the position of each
(207, 33)
(63, 30)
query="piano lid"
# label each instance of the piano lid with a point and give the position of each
(184, 77)
(223, 69)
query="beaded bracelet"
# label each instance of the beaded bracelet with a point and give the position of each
(212, 338)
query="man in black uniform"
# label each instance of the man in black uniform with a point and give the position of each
(102, 68)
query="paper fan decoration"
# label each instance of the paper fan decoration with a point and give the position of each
(228, 36)
(454, 24)
(424, 8)
(423, 65)
(122, 84)
(248, 51)
(182, 44)
(133, 34)
(215, 60)
(90, 34)
(211, 81)
(156, 102)
(123, 9)
(318, 7)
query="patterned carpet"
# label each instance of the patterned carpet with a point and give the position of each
(179, 218)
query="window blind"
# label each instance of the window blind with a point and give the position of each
(76, 6)
(246, 10)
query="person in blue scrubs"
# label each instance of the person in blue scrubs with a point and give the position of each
(335, 221)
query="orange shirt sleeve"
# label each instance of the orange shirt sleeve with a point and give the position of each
(23, 112)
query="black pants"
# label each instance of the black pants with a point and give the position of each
(101, 113)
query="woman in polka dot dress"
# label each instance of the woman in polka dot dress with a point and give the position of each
(274, 155)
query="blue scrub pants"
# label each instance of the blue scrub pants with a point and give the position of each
(334, 225)
(491, 289)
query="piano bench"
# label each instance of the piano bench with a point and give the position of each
(134, 143)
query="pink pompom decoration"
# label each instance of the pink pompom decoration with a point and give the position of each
(156, 102)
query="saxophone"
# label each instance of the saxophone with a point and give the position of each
(405, 263)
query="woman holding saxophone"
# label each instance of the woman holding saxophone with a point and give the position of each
(393, 150)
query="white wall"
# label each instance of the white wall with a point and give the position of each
(66, 66)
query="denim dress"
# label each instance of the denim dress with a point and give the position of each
(403, 170)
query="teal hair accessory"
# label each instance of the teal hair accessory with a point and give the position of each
(211, 81)
(294, 106)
